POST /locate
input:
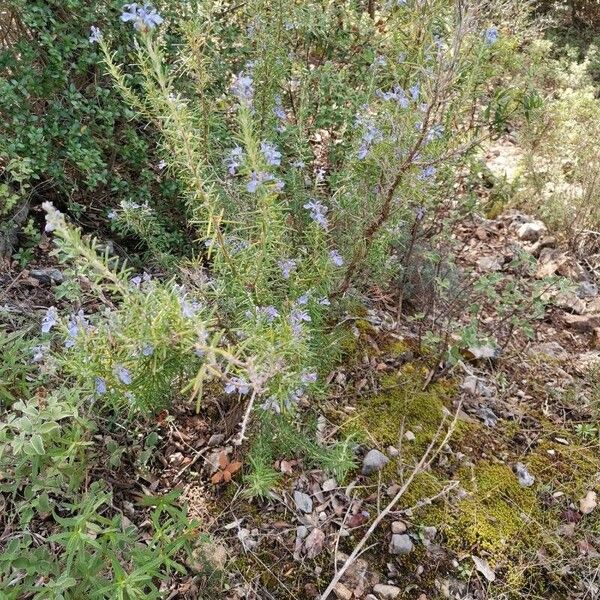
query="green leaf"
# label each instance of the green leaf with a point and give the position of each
(37, 443)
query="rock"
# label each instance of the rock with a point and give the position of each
(303, 501)
(587, 289)
(216, 439)
(329, 485)
(554, 262)
(588, 503)
(526, 479)
(569, 302)
(342, 592)
(546, 242)
(374, 461)
(393, 451)
(429, 533)
(386, 592)
(409, 436)
(531, 231)
(475, 386)
(47, 276)
(400, 544)
(489, 418)
(582, 323)
(489, 263)
(398, 527)
(553, 349)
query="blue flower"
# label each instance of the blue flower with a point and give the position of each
(427, 172)
(270, 313)
(271, 154)
(50, 319)
(420, 213)
(302, 300)
(95, 35)
(336, 258)
(297, 317)
(39, 353)
(318, 213)
(370, 136)
(100, 385)
(237, 384)
(189, 309)
(123, 374)
(243, 88)
(415, 91)
(436, 132)
(234, 160)
(491, 36)
(307, 377)
(278, 109)
(143, 17)
(257, 178)
(147, 349)
(287, 266)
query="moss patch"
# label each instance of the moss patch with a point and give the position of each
(403, 406)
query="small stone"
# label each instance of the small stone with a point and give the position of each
(429, 533)
(569, 302)
(587, 289)
(47, 276)
(303, 501)
(342, 592)
(400, 544)
(531, 231)
(526, 479)
(489, 263)
(329, 485)
(398, 527)
(374, 461)
(392, 451)
(582, 323)
(588, 503)
(409, 436)
(216, 439)
(387, 592)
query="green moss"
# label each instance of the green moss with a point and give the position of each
(402, 406)
(497, 516)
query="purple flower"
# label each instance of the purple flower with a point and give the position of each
(73, 324)
(397, 94)
(95, 35)
(256, 179)
(302, 300)
(189, 309)
(491, 36)
(112, 215)
(271, 154)
(420, 213)
(297, 317)
(270, 313)
(237, 384)
(100, 385)
(370, 136)
(271, 405)
(324, 301)
(287, 266)
(436, 132)
(123, 374)
(278, 109)
(234, 160)
(143, 17)
(147, 349)
(39, 353)
(318, 212)
(415, 91)
(307, 377)
(50, 319)
(427, 172)
(336, 258)
(243, 88)
(161, 165)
